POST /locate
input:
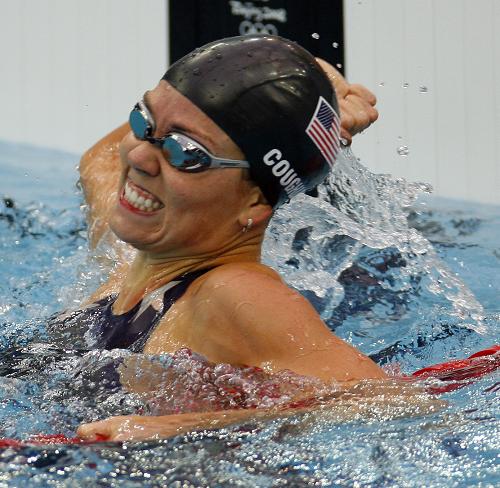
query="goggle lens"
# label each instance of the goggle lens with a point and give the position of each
(139, 124)
(185, 158)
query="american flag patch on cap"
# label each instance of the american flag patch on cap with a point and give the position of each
(324, 130)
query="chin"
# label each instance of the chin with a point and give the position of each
(128, 232)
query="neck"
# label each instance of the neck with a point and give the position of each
(149, 271)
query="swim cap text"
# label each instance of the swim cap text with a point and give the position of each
(283, 170)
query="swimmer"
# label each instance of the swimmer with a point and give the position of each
(231, 132)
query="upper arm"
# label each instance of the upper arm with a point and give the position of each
(99, 176)
(268, 324)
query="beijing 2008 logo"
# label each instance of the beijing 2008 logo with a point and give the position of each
(255, 17)
(247, 27)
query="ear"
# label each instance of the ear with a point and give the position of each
(256, 208)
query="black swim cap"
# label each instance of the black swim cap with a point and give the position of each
(274, 101)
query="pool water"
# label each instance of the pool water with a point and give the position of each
(410, 280)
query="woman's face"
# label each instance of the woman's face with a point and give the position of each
(194, 213)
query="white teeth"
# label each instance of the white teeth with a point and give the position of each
(139, 201)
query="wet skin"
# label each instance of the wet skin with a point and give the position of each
(200, 211)
(240, 312)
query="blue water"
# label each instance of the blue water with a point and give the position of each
(411, 283)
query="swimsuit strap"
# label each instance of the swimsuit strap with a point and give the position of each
(173, 291)
(103, 329)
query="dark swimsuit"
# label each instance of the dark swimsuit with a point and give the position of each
(102, 329)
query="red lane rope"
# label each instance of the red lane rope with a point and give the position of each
(453, 372)
(47, 439)
(458, 370)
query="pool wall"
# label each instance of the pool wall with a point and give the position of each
(73, 69)
(433, 65)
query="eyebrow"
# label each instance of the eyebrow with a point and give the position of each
(189, 132)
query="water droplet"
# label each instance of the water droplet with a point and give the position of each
(406, 85)
(335, 45)
(196, 72)
(382, 83)
(250, 54)
(423, 89)
(315, 35)
(403, 151)
(339, 65)
(218, 56)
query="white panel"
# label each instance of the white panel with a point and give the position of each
(13, 78)
(480, 116)
(63, 94)
(92, 51)
(421, 91)
(450, 107)
(496, 93)
(452, 127)
(390, 71)
(72, 69)
(361, 54)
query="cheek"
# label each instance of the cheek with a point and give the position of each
(205, 200)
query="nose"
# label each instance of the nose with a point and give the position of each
(144, 157)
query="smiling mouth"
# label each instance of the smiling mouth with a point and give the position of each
(139, 199)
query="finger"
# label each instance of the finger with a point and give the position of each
(346, 136)
(364, 93)
(361, 113)
(93, 431)
(346, 117)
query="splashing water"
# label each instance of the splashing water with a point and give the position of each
(371, 210)
(374, 278)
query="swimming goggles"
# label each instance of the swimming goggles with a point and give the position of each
(182, 152)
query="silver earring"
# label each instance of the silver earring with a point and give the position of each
(248, 226)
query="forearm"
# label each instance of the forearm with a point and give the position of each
(136, 427)
(217, 420)
(356, 103)
(99, 176)
(381, 400)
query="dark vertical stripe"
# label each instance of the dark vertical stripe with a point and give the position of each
(196, 22)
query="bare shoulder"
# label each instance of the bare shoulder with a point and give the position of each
(235, 284)
(248, 315)
(239, 274)
(253, 299)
